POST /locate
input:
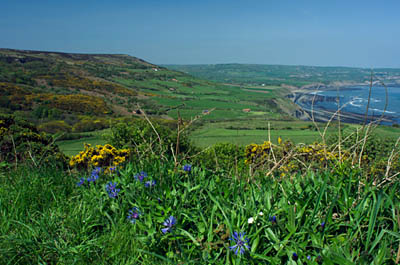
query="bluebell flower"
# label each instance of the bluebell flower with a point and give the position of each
(295, 257)
(140, 176)
(151, 183)
(112, 190)
(242, 243)
(187, 168)
(133, 215)
(81, 182)
(169, 223)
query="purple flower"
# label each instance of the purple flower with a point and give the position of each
(133, 215)
(309, 257)
(151, 183)
(169, 223)
(242, 243)
(112, 190)
(81, 182)
(322, 225)
(295, 257)
(272, 219)
(187, 168)
(140, 176)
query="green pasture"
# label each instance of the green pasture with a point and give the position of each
(73, 147)
(247, 131)
(212, 133)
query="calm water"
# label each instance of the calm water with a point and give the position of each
(355, 100)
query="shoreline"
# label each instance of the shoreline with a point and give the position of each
(305, 97)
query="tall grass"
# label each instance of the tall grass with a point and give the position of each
(45, 218)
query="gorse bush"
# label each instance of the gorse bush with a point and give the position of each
(286, 157)
(377, 155)
(99, 156)
(89, 125)
(55, 127)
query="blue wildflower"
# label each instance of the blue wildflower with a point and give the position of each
(169, 223)
(151, 183)
(92, 178)
(322, 225)
(187, 168)
(96, 171)
(112, 169)
(295, 257)
(309, 257)
(242, 243)
(133, 215)
(112, 190)
(140, 176)
(95, 174)
(272, 219)
(81, 182)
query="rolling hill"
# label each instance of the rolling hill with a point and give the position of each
(65, 90)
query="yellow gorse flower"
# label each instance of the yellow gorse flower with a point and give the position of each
(99, 156)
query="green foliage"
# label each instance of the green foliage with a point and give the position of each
(376, 152)
(225, 156)
(21, 142)
(54, 127)
(89, 125)
(140, 136)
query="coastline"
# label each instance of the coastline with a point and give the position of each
(304, 98)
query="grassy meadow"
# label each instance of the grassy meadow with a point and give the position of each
(51, 216)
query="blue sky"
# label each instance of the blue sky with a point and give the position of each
(297, 32)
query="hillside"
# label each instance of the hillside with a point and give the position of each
(64, 89)
(293, 75)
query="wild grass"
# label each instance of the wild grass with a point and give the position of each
(46, 218)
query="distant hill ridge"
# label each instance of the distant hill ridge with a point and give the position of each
(71, 88)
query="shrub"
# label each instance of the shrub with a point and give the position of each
(99, 156)
(90, 125)
(54, 127)
(289, 158)
(140, 137)
(20, 141)
(225, 156)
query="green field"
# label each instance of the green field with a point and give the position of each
(73, 147)
(245, 132)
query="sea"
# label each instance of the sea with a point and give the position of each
(354, 99)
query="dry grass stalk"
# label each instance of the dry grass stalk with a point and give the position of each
(269, 139)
